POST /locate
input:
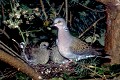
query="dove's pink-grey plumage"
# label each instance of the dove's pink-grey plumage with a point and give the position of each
(71, 47)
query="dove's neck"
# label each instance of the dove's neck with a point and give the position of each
(64, 42)
(64, 37)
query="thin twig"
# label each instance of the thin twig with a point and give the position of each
(70, 19)
(91, 26)
(22, 35)
(91, 9)
(51, 8)
(3, 13)
(94, 72)
(93, 39)
(43, 9)
(60, 8)
(10, 51)
(8, 74)
(66, 10)
(3, 32)
(31, 31)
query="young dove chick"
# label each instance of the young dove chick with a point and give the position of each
(41, 54)
(71, 47)
(56, 57)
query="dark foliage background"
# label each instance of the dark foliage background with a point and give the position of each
(86, 20)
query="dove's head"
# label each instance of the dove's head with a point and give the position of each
(44, 45)
(60, 23)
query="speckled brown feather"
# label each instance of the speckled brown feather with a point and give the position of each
(78, 45)
(81, 48)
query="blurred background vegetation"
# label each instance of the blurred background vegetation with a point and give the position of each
(29, 21)
(86, 19)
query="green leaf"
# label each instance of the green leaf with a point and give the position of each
(102, 39)
(88, 39)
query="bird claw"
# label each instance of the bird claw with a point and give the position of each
(66, 63)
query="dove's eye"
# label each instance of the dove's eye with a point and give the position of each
(59, 22)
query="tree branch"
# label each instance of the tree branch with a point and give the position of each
(19, 65)
(43, 9)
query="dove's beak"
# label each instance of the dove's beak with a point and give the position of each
(53, 25)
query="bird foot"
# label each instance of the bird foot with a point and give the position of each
(66, 64)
